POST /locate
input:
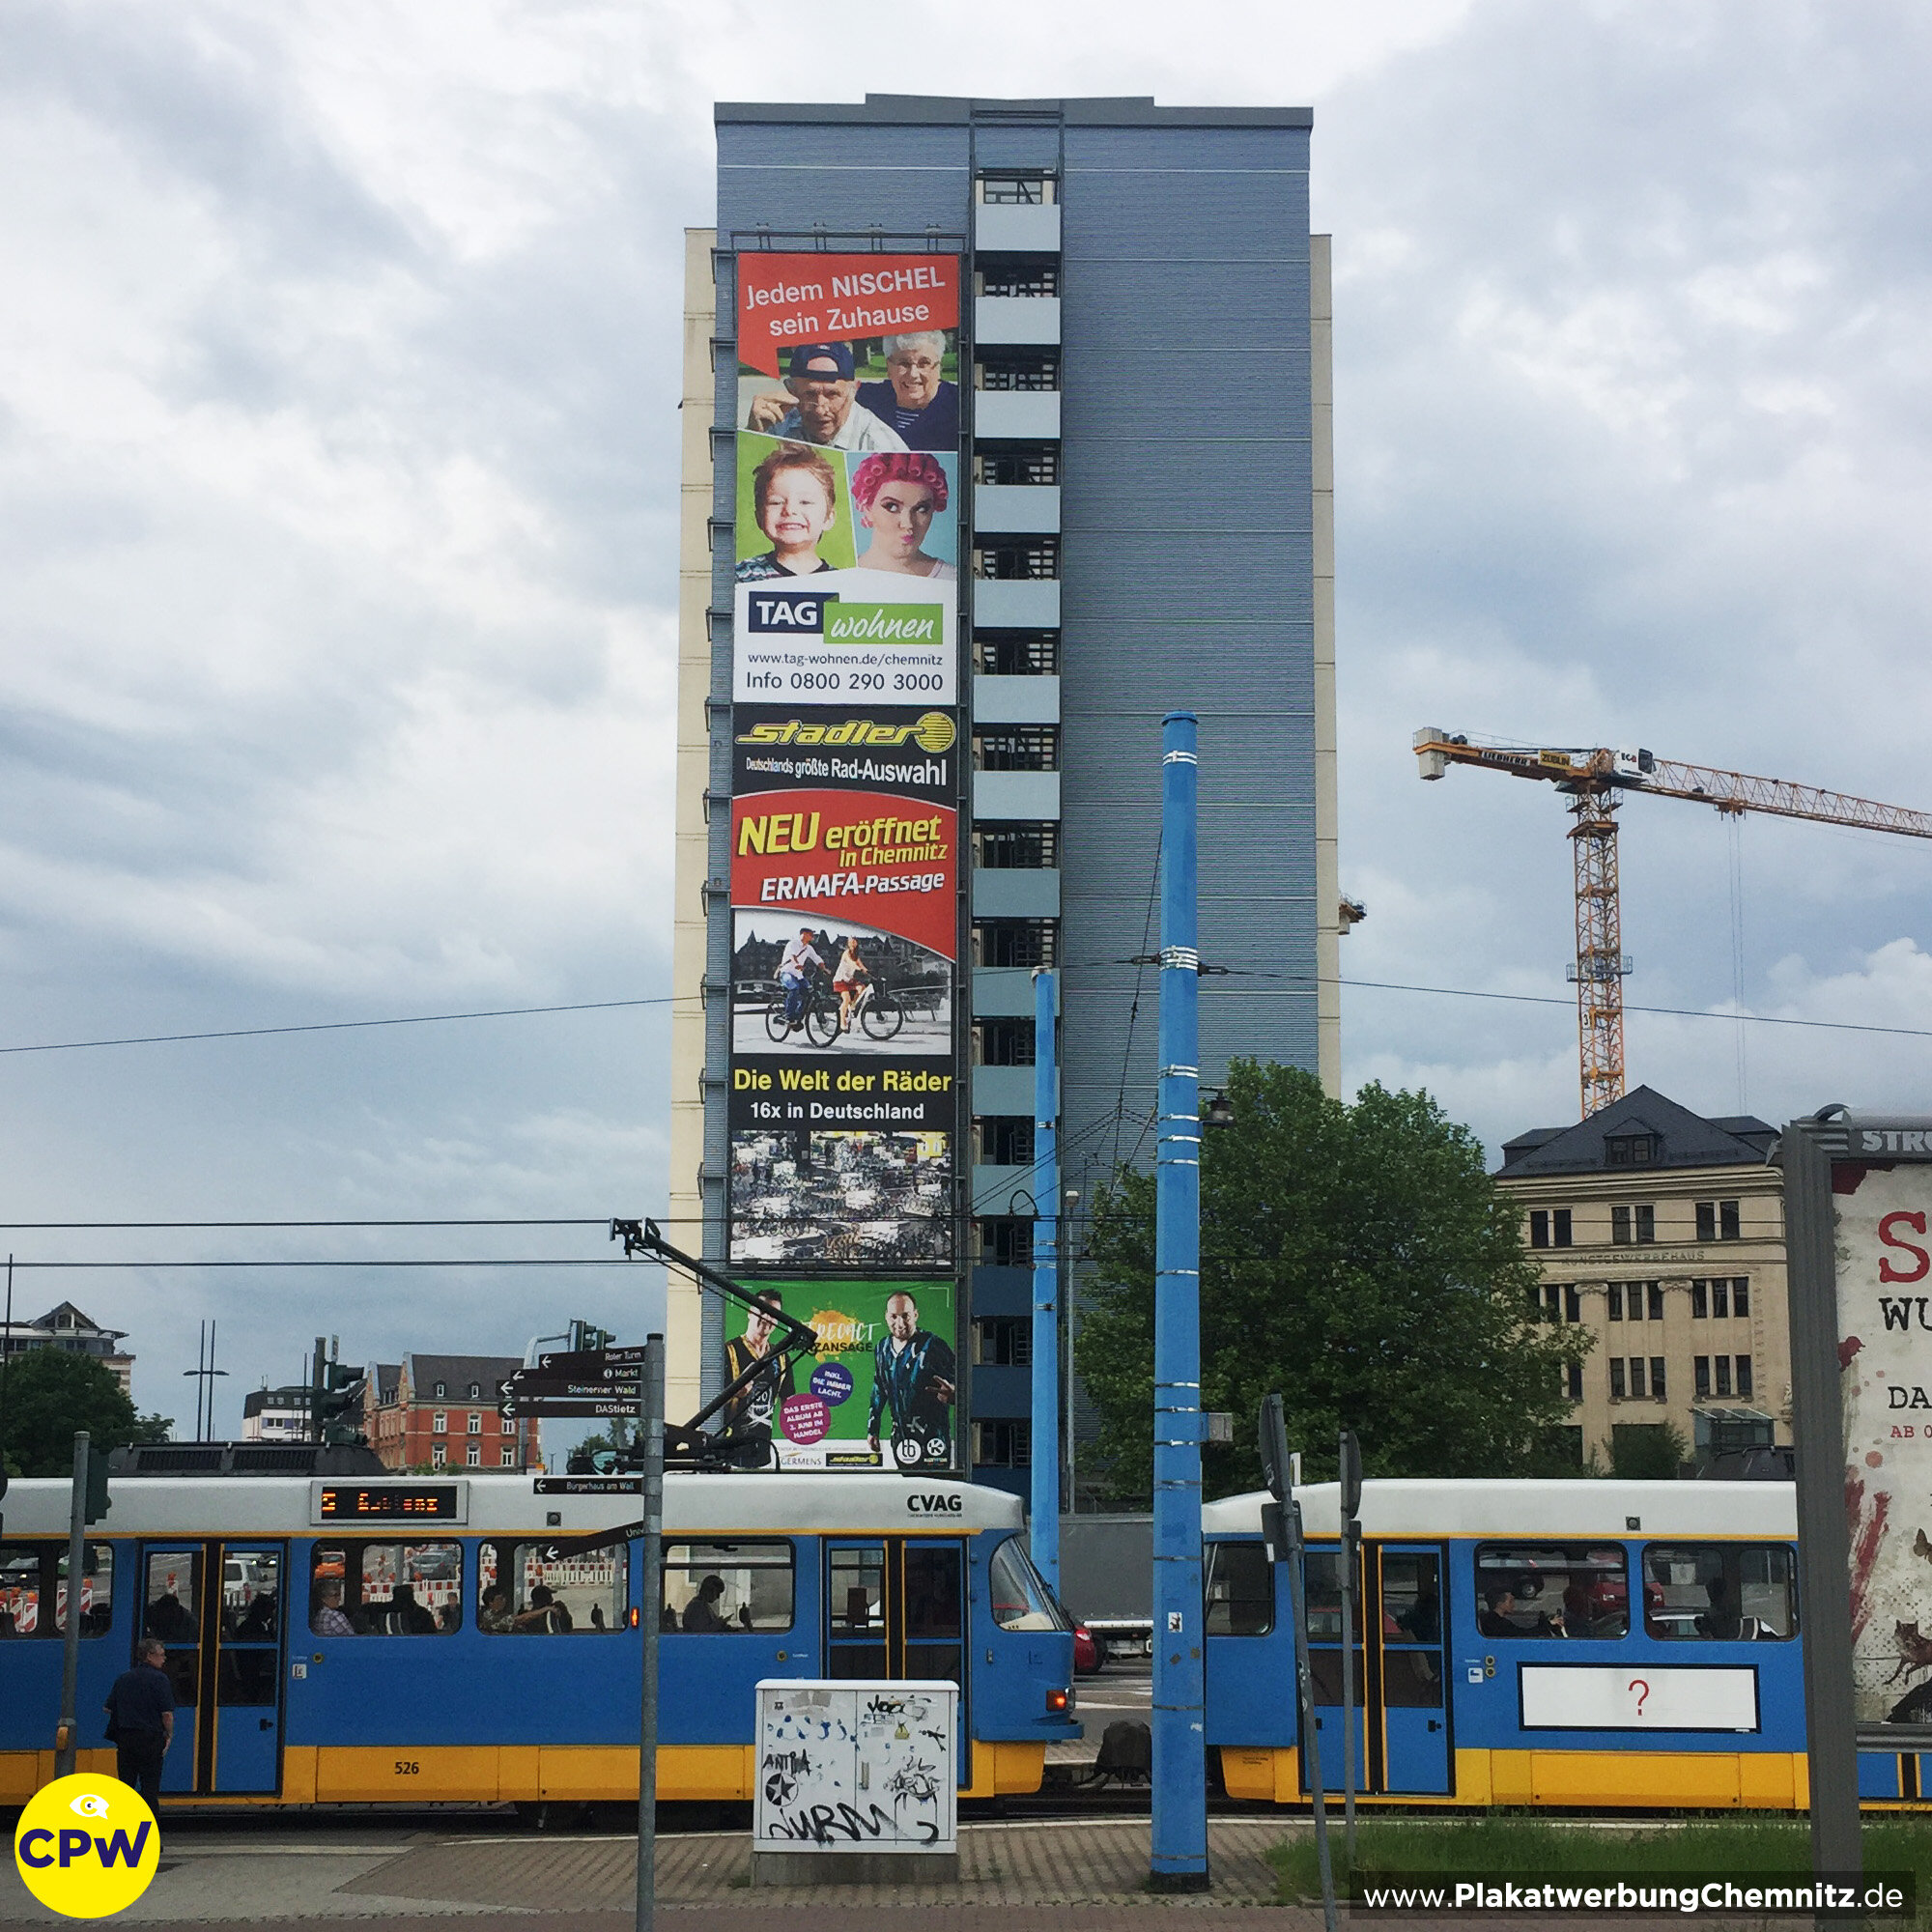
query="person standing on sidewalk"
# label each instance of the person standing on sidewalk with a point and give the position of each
(141, 1721)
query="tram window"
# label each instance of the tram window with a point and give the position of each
(932, 1592)
(539, 1589)
(1021, 1600)
(1580, 1591)
(1411, 1679)
(20, 1590)
(247, 1676)
(1241, 1590)
(753, 1589)
(1411, 1599)
(173, 1612)
(251, 1596)
(97, 1590)
(1719, 1591)
(387, 1589)
(1321, 1595)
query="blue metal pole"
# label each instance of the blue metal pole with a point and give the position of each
(1179, 1858)
(1045, 1282)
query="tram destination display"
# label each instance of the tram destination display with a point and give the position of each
(387, 1502)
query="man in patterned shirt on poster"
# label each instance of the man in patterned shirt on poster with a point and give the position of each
(912, 1374)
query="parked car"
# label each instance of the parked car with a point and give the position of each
(1085, 1651)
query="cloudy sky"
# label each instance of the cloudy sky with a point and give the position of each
(338, 441)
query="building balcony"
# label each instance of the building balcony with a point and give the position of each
(1006, 993)
(1016, 603)
(1003, 1090)
(1024, 509)
(1014, 893)
(1015, 795)
(1016, 415)
(1003, 229)
(999, 699)
(1011, 322)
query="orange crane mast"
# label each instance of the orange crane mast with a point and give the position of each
(1596, 778)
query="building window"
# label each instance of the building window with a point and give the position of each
(440, 1422)
(1636, 1377)
(1003, 1342)
(1028, 463)
(1631, 1226)
(1723, 1364)
(509, 1458)
(1005, 1043)
(1009, 848)
(1721, 1298)
(1539, 1227)
(1020, 278)
(1743, 1374)
(1701, 1300)
(1017, 747)
(1613, 1295)
(1574, 1378)
(1654, 1290)
(439, 1456)
(475, 1422)
(1005, 1243)
(441, 1390)
(1559, 1227)
(1629, 1149)
(473, 1456)
(1740, 1295)
(1717, 1221)
(475, 1389)
(1019, 653)
(1657, 1379)
(1005, 1140)
(1003, 1445)
(1700, 1375)
(1017, 942)
(1616, 1378)
(1573, 1304)
(1015, 190)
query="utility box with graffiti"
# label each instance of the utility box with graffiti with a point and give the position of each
(855, 1767)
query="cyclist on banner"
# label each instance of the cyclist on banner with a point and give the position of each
(795, 967)
(849, 982)
(912, 1374)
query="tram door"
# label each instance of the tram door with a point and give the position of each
(1402, 1712)
(219, 1608)
(896, 1608)
(1409, 1675)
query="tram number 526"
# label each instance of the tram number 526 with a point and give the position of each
(408, 1767)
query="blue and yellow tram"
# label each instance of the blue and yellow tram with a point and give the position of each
(1532, 1643)
(460, 1639)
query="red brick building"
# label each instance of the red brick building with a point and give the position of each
(441, 1412)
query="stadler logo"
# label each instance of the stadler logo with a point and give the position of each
(87, 1846)
(934, 733)
(881, 623)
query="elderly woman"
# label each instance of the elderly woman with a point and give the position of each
(912, 399)
(897, 498)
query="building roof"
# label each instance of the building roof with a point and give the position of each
(292, 1397)
(386, 1375)
(1125, 110)
(67, 1318)
(457, 1373)
(1683, 1139)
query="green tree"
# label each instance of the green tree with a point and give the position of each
(1356, 1259)
(52, 1393)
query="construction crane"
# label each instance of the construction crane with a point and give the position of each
(1596, 780)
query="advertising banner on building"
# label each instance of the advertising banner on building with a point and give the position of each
(880, 1392)
(1884, 1350)
(845, 880)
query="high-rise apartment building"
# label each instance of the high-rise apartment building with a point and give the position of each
(1007, 428)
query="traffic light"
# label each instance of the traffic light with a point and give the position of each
(98, 1503)
(338, 1403)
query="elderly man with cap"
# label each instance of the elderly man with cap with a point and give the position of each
(825, 404)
